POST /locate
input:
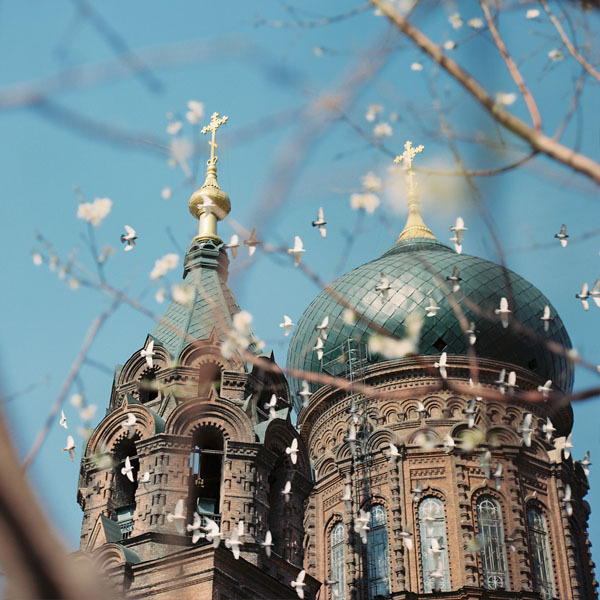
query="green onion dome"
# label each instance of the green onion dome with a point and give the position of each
(415, 267)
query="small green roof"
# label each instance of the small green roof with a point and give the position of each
(213, 304)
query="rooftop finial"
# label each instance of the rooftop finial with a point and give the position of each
(415, 227)
(210, 203)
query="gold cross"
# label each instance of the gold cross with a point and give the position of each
(409, 153)
(215, 123)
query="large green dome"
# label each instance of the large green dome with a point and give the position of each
(412, 266)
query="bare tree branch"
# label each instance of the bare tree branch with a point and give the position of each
(512, 68)
(536, 139)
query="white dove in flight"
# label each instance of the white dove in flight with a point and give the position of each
(129, 239)
(297, 250)
(321, 222)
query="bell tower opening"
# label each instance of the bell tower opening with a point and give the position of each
(206, 471)
(125, 485)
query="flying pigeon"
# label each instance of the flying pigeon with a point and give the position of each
(252, 242)
(498, 476)
(407, 539)
(586, 463)
(384, 286)
(129, 424)
(270, 406)
(545, 318)
(503, 311)
(297, 250)
(213, 533)
(292, 450)
(485, 462)
(458, 229)
(526, 429)
(441, 365)
(177, 517)
(432, 309)
(288, 324)
(562, 236)
(268, 543)
(299, 584)
(417, 491)
(148, 353)
(234, 244)
(449, 443)
(583, 296)
(128, 239)
(305, 394)
(394, 454)
(567, 500)
(195, 527)
(548, 428)
(470, 411)
(318, 348)
(421, 410)
(471, 332)
(322, 327)
(361, 525)
(70, 447)
(455, 278)
(511, 382)
(233, 542)
(595, 293)
(145, 478)
(500, 381)
(321, 222)
(127, 470)
(564, 445)
(545, 389)
(286, 492)
(63, 420)
(347, 497)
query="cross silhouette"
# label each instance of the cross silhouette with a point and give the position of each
(215, 123)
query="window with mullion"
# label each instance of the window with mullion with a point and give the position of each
(378, 562)
(540, 552)
(432, 525)
(493, 551)
(337, 561)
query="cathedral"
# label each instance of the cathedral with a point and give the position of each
(442, 473)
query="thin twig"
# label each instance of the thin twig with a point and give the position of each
(567, 42)
(73, 371)
(512, 68)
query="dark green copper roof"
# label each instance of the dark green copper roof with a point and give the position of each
(410, 266)
(205, 272)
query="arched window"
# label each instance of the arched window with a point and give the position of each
(338, 572)
(206, 465)
(378, 561)
(540, 552)
(432, 525)
(148, 386)
(278, 507)
(493, 551)
(123, 496)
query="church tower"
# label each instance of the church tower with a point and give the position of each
(445, 470)
(188, 445)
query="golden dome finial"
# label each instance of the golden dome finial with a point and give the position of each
(415, 227)
(210, 203)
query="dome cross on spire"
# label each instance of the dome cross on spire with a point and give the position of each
(415, 227)
(210, 203)
(215, 123)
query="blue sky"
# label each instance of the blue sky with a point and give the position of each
(261, 76)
